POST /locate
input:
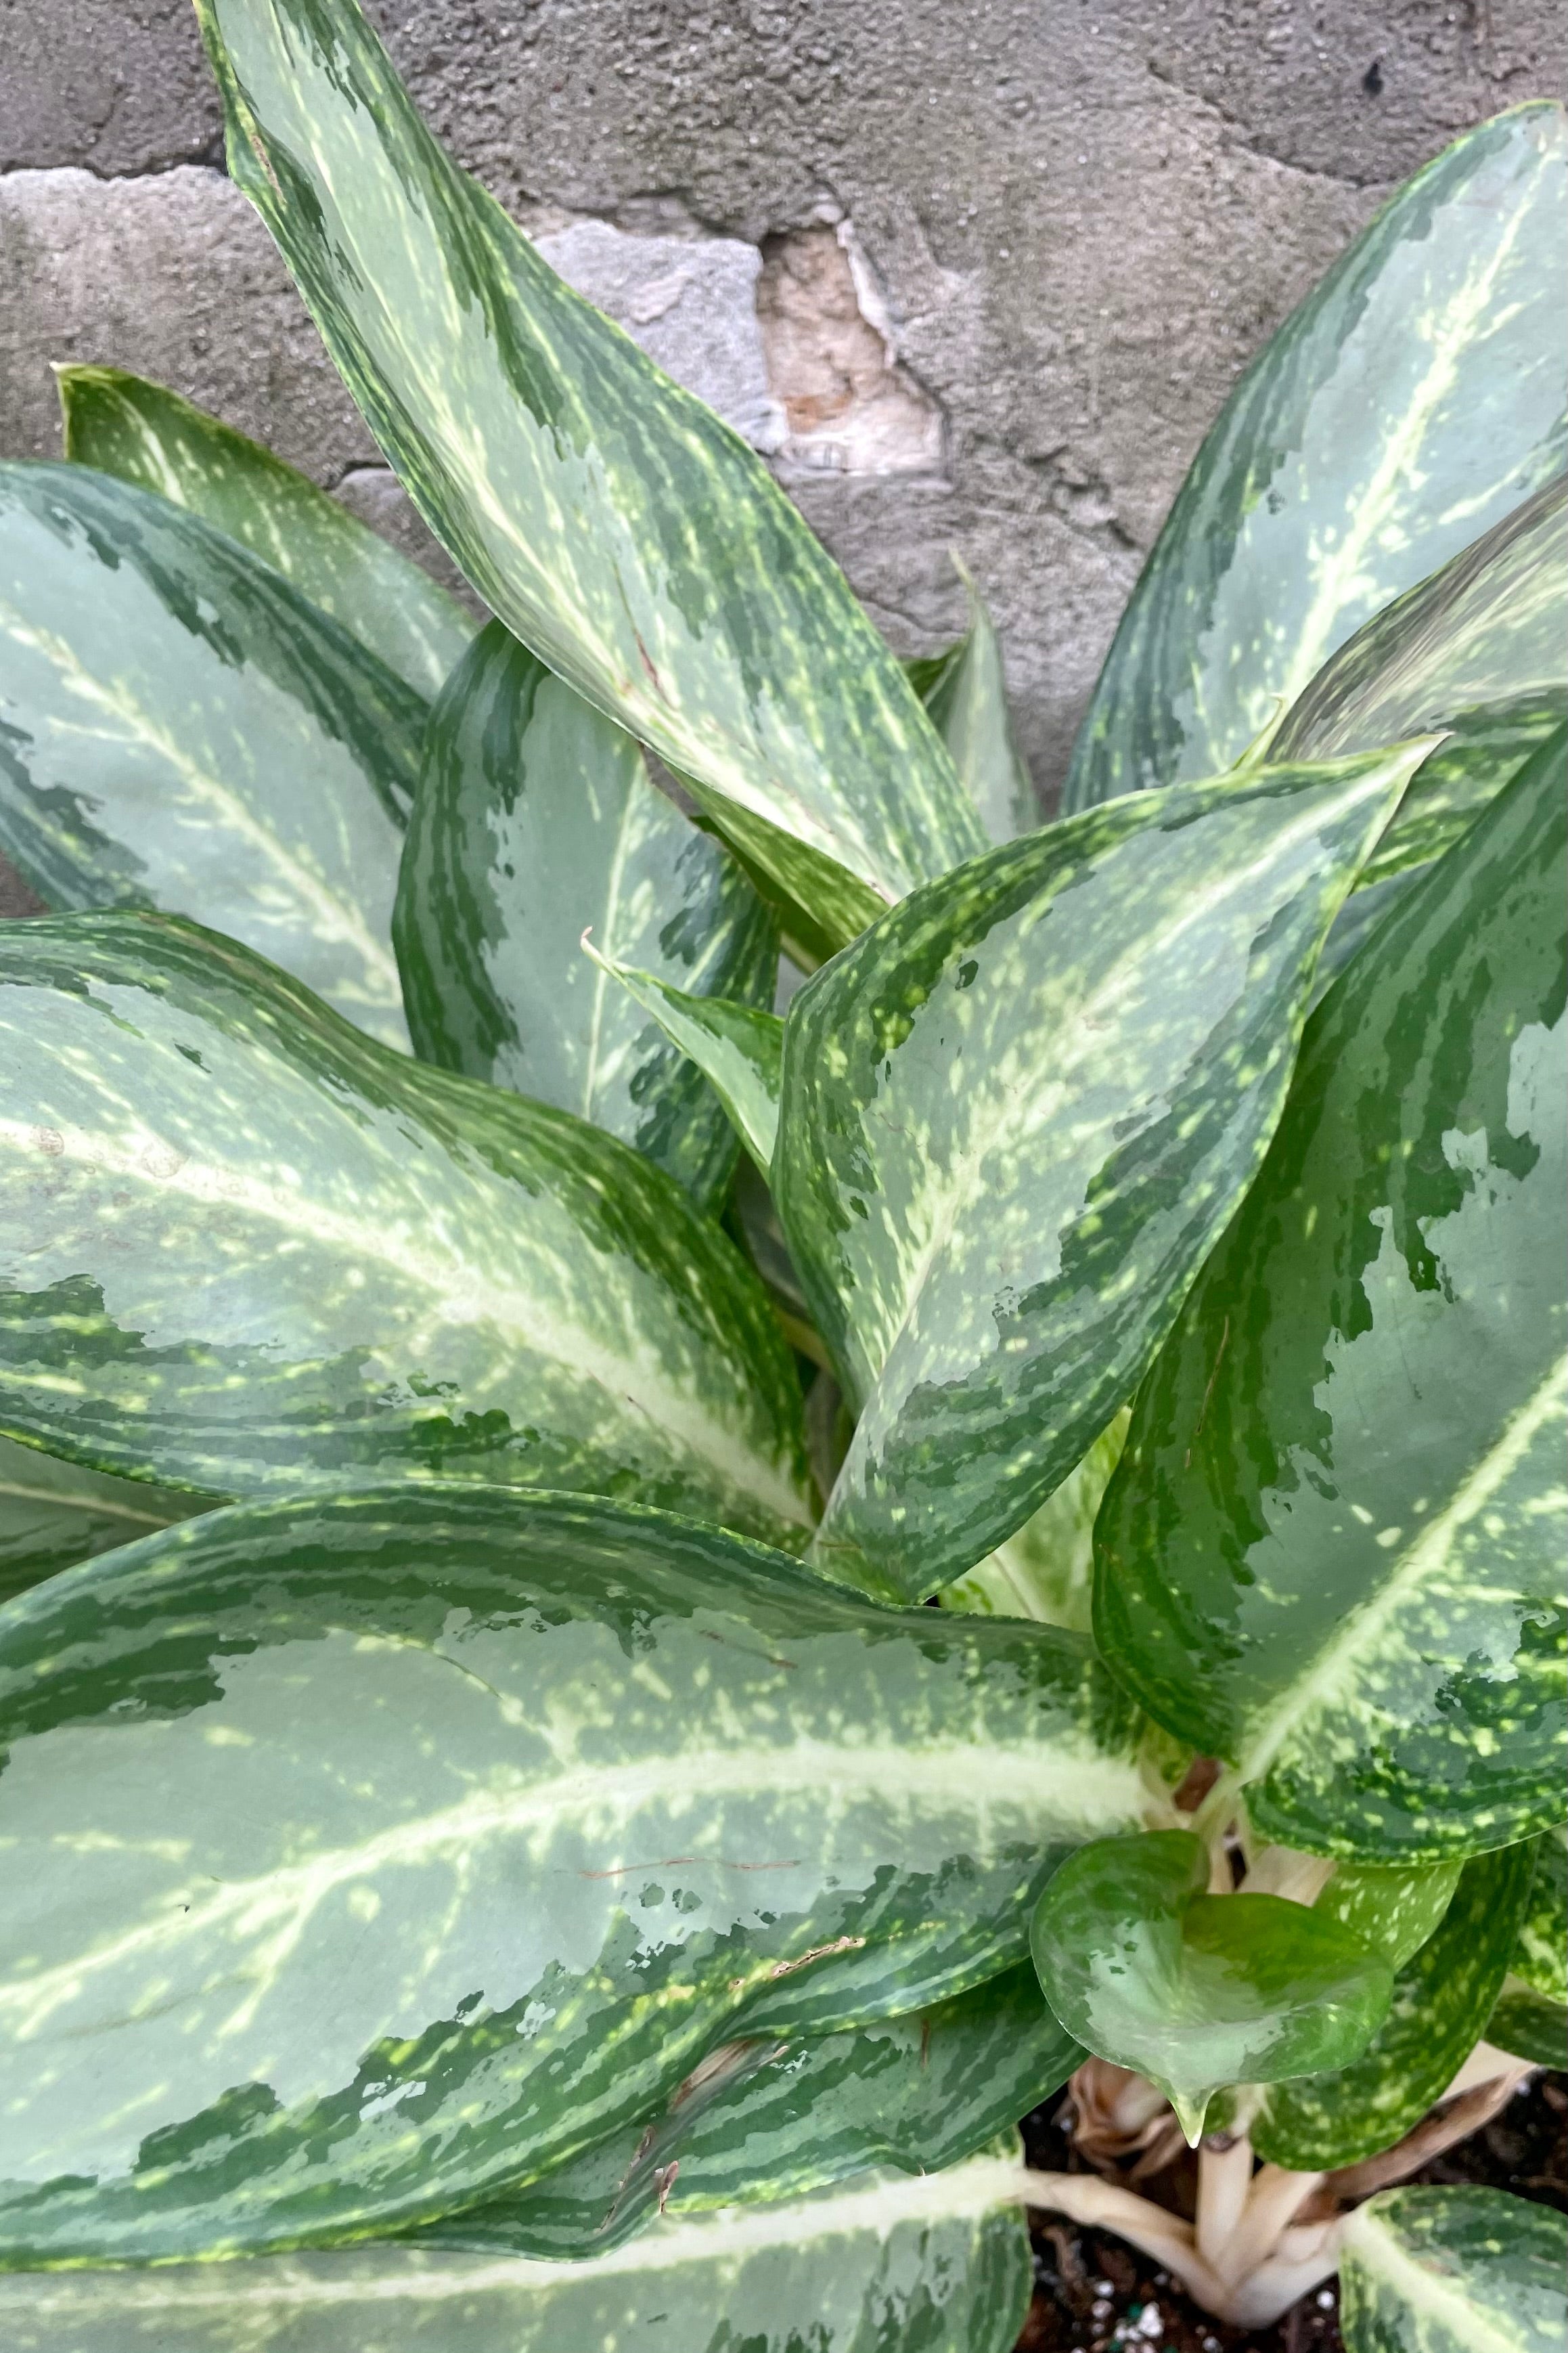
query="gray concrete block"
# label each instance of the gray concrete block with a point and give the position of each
(979, 273)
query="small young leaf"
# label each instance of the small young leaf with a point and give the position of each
(145, 433)
(1458, 2269)
(536, 820)
(1442, 1997)
(766, 2119)
(1393, 1911)
(939, 2262)
(1014, 1118)
(1414, 398)
(369, 1857)
(1198, 1991)
(965, 693)
(244, 1251)
(738, 1049)
(183, 731)
(53, 1513)
(1331, 1552)
(611, 521)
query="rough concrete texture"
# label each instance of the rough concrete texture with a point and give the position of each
(1010, 255)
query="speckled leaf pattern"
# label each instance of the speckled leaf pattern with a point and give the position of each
(466, 1848)
(536, 821)
(1046, 1570)
(1331, 1553)
(606, 516)
(1530, 2017)
(1454, 2269)
(739, 1048)
(1481, 648)
(1529, 2025)
(1198, 1991)
(53, 1513)
(1411, 402)
(965, 693)
(1541, 1955)
(767, 2118)
(1390, 1909)
(180, 729)
(1015, 1119)
(243, 1250)
(143, 433)
(1442, 1997)
(939, 2263)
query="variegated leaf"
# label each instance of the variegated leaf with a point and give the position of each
(1442, 1997)
(939, 2262)
(1458, 2269)
(53, 1513)
(341, 1911)
(1193, 1990)
(768, 2118)
(143, 433)
(180, 729)
(1540, 1956)
(612, 522)
(965, 693)
(1414, 398)
(1529, 2025)
(1331, 1551)
(1479, 649)
(1014, 1118)
(739, 1048)
(1392, 1910)
(243, 1250)
(536, 820)
(1046, 1570)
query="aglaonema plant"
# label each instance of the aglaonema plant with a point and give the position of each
(496, 1847)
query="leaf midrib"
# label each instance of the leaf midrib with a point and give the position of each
(1361, 1629)
(1021, 1779)
(1387, 2261)
(485, 1299)
(340, 919)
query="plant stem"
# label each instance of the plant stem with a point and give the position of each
(1225, 2175)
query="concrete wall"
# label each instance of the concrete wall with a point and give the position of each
(975, 274)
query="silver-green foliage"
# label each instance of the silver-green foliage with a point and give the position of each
(490, 1909)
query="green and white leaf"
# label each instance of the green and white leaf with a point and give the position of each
(1331, 1553)
(939, 2261)
(737, 1048)
(767, 2119)
(620, 531)
(1529, 2025)
(1442, 1997)
(335, 1915)
(1198, 1991)
(1531, 2015)
(53, 1513)
(536, 821)
(1453, 2270)
(1046, 1570)
(1412, 401)
(1016, 1117)
(244, 1251)
(180, 729)
(1541, 1955)
(143, 433)
(1392, 1910)
(1480, 649)
(965, 693)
